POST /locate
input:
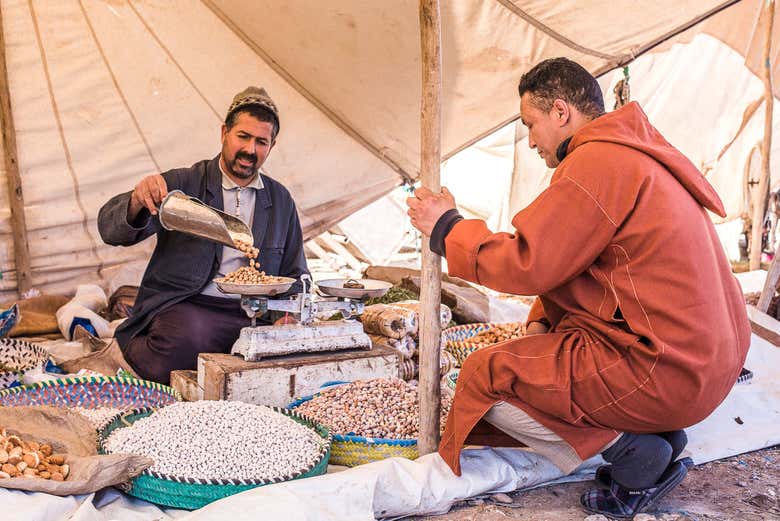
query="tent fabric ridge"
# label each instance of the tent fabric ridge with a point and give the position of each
(63, 140)
(481, 136)
(303, 91)
(636, 52)
(118, 88)
(555, 34)
(174, 60)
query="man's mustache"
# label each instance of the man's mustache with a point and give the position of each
(247, 157)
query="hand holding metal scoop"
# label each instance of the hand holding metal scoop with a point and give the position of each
(182, 213)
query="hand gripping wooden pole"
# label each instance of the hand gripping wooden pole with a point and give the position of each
(430, 291)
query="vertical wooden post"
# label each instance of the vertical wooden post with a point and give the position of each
(430, 163)
(18, 225)
(759, 209)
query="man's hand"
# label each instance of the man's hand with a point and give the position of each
(426, 207)
(536, 328)
(148, 193)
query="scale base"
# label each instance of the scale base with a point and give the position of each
(256, 343)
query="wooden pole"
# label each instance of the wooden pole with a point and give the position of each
(759, 208)
(18, 225)
(430, 290)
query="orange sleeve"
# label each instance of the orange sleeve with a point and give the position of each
(557, 237)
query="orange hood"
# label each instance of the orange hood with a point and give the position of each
(630, 127)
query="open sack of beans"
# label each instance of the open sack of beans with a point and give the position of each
(54, 450)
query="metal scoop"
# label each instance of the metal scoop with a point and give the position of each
(182, 213)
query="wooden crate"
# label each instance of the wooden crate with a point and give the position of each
(186, 382)
(278, 381)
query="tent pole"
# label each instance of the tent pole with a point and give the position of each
(759, 208)
(16, 200)
(430, 290)
(770, 285)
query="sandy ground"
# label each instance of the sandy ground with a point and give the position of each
(742, 488)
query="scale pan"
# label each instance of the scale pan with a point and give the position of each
(371, 288)
(268, 290)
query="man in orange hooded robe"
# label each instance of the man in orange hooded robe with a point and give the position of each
(640, 328)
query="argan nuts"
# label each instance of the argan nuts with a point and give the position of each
(30, 473)
(13, 460)
(56, 476)
(46, 449)
(16, 441)
(4, 475)
(8, 468)
(31, 459)
(21, 466)
(16, 451)
(3, 457)
(34, 445)
(58, 459)
(65, 470)
(45, 474)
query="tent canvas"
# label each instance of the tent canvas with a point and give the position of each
(105, 92)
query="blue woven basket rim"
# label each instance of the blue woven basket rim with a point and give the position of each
(325, 453)
(354, 438)
(63, 382)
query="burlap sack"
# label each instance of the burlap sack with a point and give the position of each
(389, 321)
(107, 359)
(69, 433)
(38, 315)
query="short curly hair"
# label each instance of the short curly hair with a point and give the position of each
(562, 78)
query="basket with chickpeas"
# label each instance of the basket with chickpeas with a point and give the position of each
(461, 341)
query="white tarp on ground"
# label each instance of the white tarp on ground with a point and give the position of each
(399, 487)
(105, 92)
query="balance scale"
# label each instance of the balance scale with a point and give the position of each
(183, 213)
(309, 335)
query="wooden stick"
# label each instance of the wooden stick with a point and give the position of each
(430, 163)
(759, 208)
(18, 224)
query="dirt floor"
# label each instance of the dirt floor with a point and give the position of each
(742, 488)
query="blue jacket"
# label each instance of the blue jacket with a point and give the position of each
(182, 265)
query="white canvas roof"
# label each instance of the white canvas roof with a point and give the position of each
(104, 92)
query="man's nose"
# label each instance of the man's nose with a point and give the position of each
(531, 142)
(249, 147)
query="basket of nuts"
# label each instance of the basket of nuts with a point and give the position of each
(30, 459)
(18, 357)
(207, 450)
(461, 341)
(370, 420)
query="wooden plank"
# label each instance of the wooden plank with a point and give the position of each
(430, 164)
(15, 196)
(759, 209)
(770, 283)
(277, 382)
(186, 382)
(764, 326)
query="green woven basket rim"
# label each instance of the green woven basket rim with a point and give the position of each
(62, 382)
(321, 431)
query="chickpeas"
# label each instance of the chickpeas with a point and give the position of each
(249, 274)
(29, 459)
(498, 333)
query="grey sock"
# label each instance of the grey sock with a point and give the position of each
(638, 460)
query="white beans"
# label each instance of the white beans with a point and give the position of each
(98, 417)
(220, 440)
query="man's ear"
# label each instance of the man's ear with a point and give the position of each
(561, 111)
(223, 133)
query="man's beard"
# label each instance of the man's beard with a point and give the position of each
(238, 170)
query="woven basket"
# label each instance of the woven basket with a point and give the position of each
(456, 339)
(351, 451)
(451, 378)
(18, 357)
(190, 493)
(91, 392)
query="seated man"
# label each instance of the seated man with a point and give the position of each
(179, 311)
(640, 328)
